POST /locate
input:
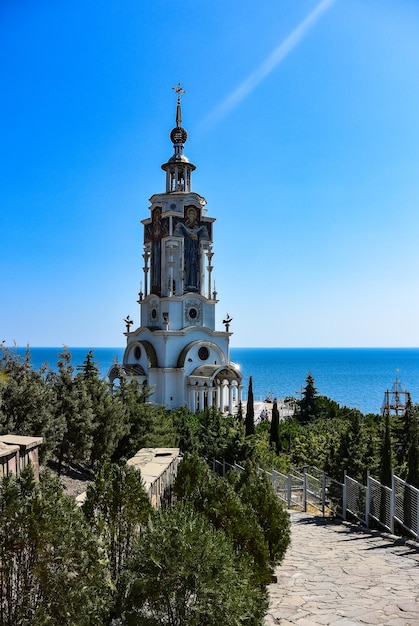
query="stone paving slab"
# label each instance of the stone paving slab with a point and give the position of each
(336, 573)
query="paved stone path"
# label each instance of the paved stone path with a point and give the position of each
(334, 573)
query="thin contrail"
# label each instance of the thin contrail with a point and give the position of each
(269, 64)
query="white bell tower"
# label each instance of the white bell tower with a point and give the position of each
(176, 350)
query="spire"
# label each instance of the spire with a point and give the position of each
(180, 91)
(178, 134)
(178, 169)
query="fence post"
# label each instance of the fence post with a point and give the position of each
(323, 492)
(289, 490)
(305, 489)
(224, 467)
(344, 495)
(392, 502)
(367, 501)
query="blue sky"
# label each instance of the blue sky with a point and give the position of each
(303, 121)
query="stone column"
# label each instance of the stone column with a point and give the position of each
(192, 399)
(201, 399)
(230, 399)
(239, 394)
(146, 257)
(217, 397)
(223, 394)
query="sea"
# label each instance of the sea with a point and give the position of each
(353, 377)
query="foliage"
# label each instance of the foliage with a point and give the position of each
(138, 418)
(287, 432)
(261, 451)
(212, 435)
(182, 420)
(53, 569)
(386, 454)
(163, 432)
(327, 408)
(412, 456)
(184, 571)
(308, 408)
(25, 401)
(257, 524)
(239, 415)
(274, 430)
(412, 463)
(257, 493)
(109, 417)
(73, 408)
(250, 411)
(215, 498)
(352, 447)
(116, 507)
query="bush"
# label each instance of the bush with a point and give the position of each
(256, 522)
(184, 571)
(257, 493)
(52, 567)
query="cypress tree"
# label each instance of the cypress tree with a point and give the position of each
(410, 499)
(274, 432)
(412, 452)
(250, 411)
(386, 455)
(385, 467)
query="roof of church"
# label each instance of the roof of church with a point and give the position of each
(210, 371)
(129, 369)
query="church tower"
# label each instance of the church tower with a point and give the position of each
(176, 350)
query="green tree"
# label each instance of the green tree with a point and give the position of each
(257, 493)
(308, 403)
(212, 435)
(386, 464)
(73, 407)
(287, 432)
(108, 414)
(52, 567)
(138, 418)
(25, 401)
(183, 571)
(217, 499)
(412, 475)
(182, 419)
(116, 507)
(412, 461)
(274, 430)
(352, 447)
(250, 411)
(163, 432)
(327, 408)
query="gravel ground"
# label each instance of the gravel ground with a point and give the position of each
(73, 478)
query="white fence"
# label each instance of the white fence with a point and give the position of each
(395, 508)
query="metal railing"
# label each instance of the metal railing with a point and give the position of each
(395, 508)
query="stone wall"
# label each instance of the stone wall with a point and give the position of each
(16, 452)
